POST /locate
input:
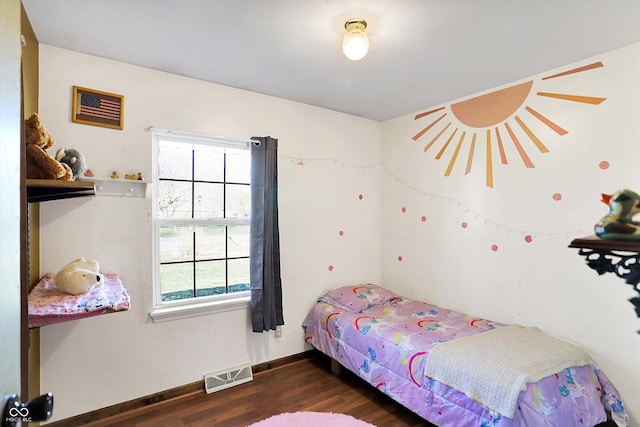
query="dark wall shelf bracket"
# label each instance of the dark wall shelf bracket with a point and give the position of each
(621, 257)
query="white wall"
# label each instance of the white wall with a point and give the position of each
(543, 282)
(97, 362)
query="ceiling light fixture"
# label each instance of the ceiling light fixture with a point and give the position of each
(355, 44)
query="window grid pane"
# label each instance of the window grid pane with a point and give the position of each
(211, 278)
(176, 281)
(202, 182)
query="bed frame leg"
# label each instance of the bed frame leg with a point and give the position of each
(336, 368)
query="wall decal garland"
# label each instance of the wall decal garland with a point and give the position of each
(528, 236)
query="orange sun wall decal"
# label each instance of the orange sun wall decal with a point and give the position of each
(490, 116)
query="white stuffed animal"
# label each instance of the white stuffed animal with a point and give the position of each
(78, 277)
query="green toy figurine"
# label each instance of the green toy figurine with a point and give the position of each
(619, 224)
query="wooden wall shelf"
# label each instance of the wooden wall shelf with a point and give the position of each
(47, 305)
(41, 190)
(595, 242)
(621, 257)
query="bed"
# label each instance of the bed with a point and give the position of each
(456, 370)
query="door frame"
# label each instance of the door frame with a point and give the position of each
(11, 210)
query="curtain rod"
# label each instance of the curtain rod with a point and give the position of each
(191, 135)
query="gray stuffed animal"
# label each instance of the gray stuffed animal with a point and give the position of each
(73, 158)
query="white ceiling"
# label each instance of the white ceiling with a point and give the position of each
(423, 52)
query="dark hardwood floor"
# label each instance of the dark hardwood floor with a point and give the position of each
(303, 385)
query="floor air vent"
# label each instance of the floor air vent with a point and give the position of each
(225, 379)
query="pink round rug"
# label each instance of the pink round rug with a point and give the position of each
(311, 419)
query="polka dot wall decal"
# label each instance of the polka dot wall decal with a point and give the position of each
(403, 209)
(340, 233)
(604, 165)
(557, 197)
(528, 238)
(360, 196)
(494, 248)
(399, 257)
(300, 163)
(464, 225)
(331, 268)
(423, 219)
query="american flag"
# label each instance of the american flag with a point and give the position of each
(96, 106)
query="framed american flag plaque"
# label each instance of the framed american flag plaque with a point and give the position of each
(97, 108)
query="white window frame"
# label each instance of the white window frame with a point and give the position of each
(180, 309)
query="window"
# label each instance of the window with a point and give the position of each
(202, 206)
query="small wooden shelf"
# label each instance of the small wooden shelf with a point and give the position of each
(595, 242)
(48, 306)
(41, 190)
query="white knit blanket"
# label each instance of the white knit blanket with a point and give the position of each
(495, 366)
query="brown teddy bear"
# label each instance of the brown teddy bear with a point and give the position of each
(40, 164)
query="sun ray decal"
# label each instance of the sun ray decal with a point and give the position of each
(536, 141)
(489, 179)
(509, 125)
(557, 129)
(419, 134)
(575, 70)
(575, 98)
(503, 155)
(516, 142)
(455, 154)
(426, 147)
(446, 145)
(470, 156)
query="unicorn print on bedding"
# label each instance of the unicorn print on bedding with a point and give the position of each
(387, 339)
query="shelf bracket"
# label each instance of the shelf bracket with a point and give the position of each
(625, 265)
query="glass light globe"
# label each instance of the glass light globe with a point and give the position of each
(355, 44)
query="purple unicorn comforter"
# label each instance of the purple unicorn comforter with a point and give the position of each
(386, 339)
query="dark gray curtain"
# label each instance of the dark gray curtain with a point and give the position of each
(266, 289)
